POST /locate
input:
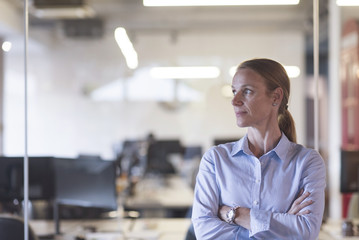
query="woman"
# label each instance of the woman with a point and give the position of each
(264, 186)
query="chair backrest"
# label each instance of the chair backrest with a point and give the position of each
(12, 227)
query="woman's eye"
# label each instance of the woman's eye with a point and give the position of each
(234, 92)
(247, 91)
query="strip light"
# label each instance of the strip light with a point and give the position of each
(163, 3)
(65, 12)
(292, 71)
(184, 72)
(126, 47)
(347, 2)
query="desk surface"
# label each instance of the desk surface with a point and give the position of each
(146, 229)
(157, 192)
(149, 229)
(332, 231)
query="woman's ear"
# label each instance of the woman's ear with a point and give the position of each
(277, 95)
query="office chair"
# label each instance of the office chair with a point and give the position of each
(190, 235)
(12, 227)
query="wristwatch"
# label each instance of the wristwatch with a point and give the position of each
(231, 214)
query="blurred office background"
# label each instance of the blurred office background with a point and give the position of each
(85, 98)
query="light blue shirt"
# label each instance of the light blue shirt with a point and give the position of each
(229, 174)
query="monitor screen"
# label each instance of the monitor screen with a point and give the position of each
(158, 156)
(86, 182)
(219, 141)
(349, 171)
(41, 182)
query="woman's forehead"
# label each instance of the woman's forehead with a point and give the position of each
(247, 77)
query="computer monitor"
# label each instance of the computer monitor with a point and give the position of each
(349, 180)
(86, 182)
(191, 152)
(41, 178)
(158, 156)
(218, 141)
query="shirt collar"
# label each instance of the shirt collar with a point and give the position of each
(281, 149)
(240, 145)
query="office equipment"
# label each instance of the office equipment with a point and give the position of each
(191, 152)
(41, 182)
(87, 183)
(218, 141)
(159, 153)
(12, 227)
(132, 158)
(349, 177)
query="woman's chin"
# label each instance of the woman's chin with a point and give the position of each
(241, 124)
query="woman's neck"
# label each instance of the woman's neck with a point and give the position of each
(261, 142)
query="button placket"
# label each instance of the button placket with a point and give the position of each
(257, 185)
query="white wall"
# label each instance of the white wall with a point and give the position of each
(64, 121)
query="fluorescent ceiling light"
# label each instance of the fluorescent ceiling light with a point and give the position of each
(6, 46)
(184, 72)
(63, 12)
(348, 2)
(126, 47)
(292, 71)
(158, 3)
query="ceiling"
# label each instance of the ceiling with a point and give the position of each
(174, 21)
(132, 15)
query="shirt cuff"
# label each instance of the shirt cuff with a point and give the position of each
(260, 221)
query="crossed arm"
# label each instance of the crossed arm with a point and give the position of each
(242, 214)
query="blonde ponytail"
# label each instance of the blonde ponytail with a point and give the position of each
(287, 125)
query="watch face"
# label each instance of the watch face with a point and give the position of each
(230, 214)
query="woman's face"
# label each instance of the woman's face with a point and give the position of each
(252, 103)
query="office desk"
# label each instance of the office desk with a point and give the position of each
(114, 229)
(158, 193)
(149, 228)
(332, 231)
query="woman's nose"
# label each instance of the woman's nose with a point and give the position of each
(237, 100)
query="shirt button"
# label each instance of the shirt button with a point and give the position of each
(255, 202)
(258, 181)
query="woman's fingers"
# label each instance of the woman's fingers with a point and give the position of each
(301, 198)
(299, 204)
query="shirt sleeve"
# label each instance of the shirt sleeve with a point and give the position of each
(272, 225)
(207, 224)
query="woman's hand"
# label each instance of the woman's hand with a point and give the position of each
(299, 204)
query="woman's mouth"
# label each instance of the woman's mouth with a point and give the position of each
(240, 113)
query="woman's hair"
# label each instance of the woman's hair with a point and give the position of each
(275, 76)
